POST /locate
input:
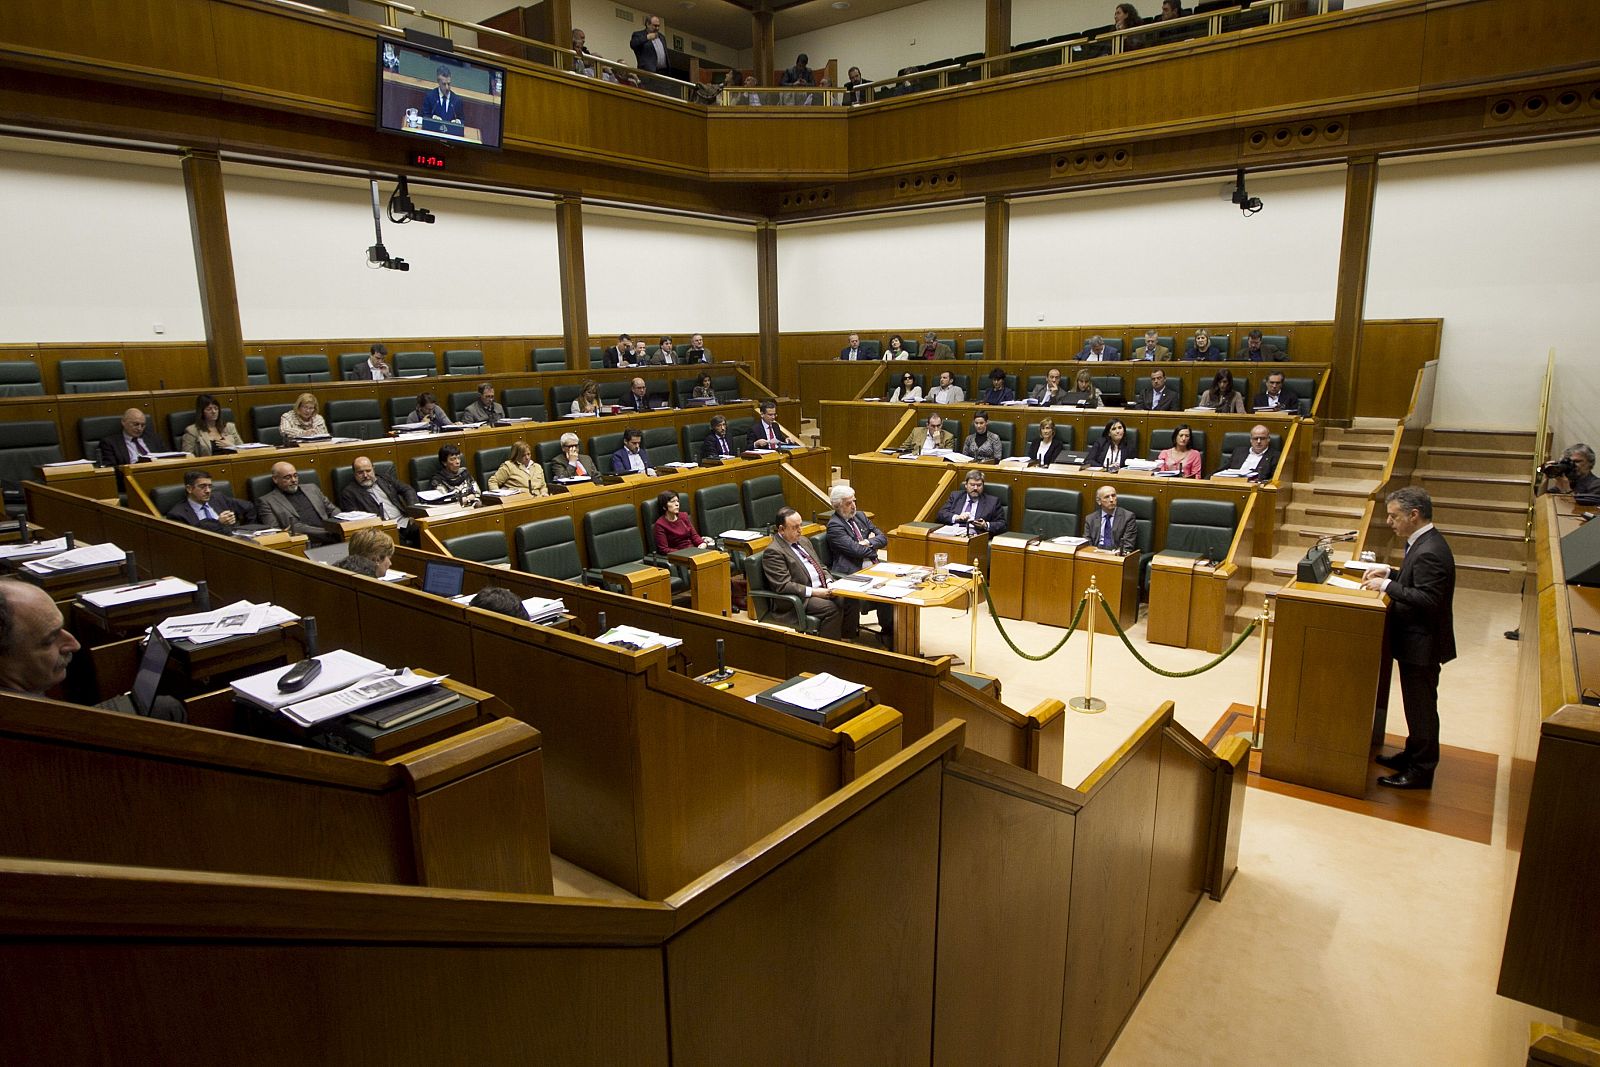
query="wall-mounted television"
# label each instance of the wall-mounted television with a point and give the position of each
(439, 95)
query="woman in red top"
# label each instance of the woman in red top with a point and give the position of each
(674, 529)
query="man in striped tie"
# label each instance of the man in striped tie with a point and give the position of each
(791, 569)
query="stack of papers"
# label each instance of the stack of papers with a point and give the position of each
(680, 465)
(86, 556)
(363, 694)
(353, 516)
(118, 596)
(340, 670)
(1229, 472)
(17, 552)
(544, 609)
(819, 691)
(742, 535)
(236, 620)
(633, 635)
(169, 455)
(1139, 465)
(68, 463)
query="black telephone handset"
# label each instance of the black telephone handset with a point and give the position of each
(299, 676)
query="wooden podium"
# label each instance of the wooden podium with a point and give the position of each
(1117, 578)
(1327, 655)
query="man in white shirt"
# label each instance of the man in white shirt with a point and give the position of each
(629, 459)
(767, 433)
(946, 392)
(1096, 351)
(1258, 461)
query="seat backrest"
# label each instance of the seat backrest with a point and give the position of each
(487, 546)
(611, 536)
(20, 378)
(597, 357)
(1114, 345)
(264, 419)
(871, 349)
(717, 509)
(763, 497)
(1144, 514)
(549, 359)
(561, 398)
(180, 421)
(1305, 389)
(423, 468)
(349, 361)
(613, 392)
(661, 446)
(548, 548)
(545, 451)
(24, 445)
(344, 476)
(601, 445)
(1049, 513)
(1108, 383)
(92, 376)
(93, 427)
(951, 425)
(255, 369)
(400, 409)
(1034, 381)
(415, 365)
(1066, 433)
(354, 418)
(658, 390)
(1276, 340)
(972, 348)
(1001, 492)
(525, 402)
(1241, 439)
(461, 400)
(463, 361)
(304, 368)
(1203, 526)
(726, 386)
(486, 461)
(1007, 432)
(1161, 440)
(1219, 342)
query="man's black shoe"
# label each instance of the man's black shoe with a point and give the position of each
(1396, 762)
(1409, 779)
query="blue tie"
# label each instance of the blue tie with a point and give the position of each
(1105, 532)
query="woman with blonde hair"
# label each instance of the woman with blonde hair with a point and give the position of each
(588, 400)
(372, 543)
(519, 471)
(302, 420)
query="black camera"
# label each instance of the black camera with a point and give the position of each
(1559, 468)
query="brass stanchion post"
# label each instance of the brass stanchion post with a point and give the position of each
(1264, 620)
(1087, 704)
(977, 584)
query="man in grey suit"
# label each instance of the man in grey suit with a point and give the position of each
(855, 542)
(791, 569)
(1111, 527)
(299, 509)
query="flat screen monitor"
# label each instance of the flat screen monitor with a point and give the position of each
(443, 579)
(439, 95)
(152, 665)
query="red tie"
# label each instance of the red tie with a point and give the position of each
(576, 466)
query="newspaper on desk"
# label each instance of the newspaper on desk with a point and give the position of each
(634, 635)
(86, 556)
(340, 670)
(368, 691)
(239, 619)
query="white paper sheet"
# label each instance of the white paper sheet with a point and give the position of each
(85, 556)
(138, 592)
(819, 691)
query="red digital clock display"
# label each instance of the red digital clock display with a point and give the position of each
(431, 160)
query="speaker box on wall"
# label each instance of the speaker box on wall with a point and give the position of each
(1580, 553)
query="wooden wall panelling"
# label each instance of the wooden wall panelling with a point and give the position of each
(295, 60)
(162, 38)
(1392, 352)
(1181, 844)
(872, 884)
(341, 623)
(1005, 837)
(1467, 44)
(778, 143)
(1112, 850)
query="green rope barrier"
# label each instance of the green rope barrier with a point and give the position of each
(1072, 627)
(1116, 625)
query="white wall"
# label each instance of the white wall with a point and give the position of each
(883, 44)
(1178, 254)
(883, 272)
(487, 267)
(1503, 248)
(1033, 20)
(97, 248)
(663, 273)
(607, 35)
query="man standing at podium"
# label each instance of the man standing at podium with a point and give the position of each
(1421, 632)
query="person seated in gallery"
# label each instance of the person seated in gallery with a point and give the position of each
(1256, 350)
(587, 402)
(1047, 447)
(1111, 451)
(1200, 347)
(933, 348)
(854, 541)
(1258, 459)
(374, 546)
(716, 443)
(930, 438)
(896, 349)
(208, 432)
(703, 389)
(377, 367)
(1158, 395)
(1222, 397)
(981, 445)
(1095, 351)
(972, 508)
(674, 527)
(205, 507)
(520, 471)
(428, 413)
(998, 392)
(570, 463)
(947, 391)
(379, 493)
(1089, 394)
(629, 458)
(1110, 527)
(907, 392)
(302, 421)
(1049, 391)
(453, 478)
(1274, 397)
(1182, 456)
(35, 647)
(501, 601)
(296, 508)
(133, 441)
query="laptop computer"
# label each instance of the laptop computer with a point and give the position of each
(443, 579)
(142, 699)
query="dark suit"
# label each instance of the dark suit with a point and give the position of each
(990, 510)
(644, 51)
(709, 445)
(278, 510)
(1288, 400)
(1107, 355)
(695, 355)
(850, 555)
(1211, 353)
(861, 354)
(622, 460)
(1169, 399)
(1421, 639)
(785, 574)
(632, 402)
(1269, 462)
(560, 468)
(1096, 456)
(1004, 395)
(114, 450)
(1051, 455)
(1268, 354)
(357, 497)
(612, 357)
(1124, 529)
(244, 514)
(446, 109)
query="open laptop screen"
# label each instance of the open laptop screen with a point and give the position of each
(443, 579)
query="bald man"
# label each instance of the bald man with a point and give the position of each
(133, 441)
(297, 508)
(35, 646)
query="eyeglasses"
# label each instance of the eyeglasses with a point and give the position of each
(1259, 437)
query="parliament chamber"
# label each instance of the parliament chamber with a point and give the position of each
(599, 853)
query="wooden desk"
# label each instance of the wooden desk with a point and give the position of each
(908, 609)
(710, 580)
(1007, 573)
(1171, 594)
(1117, 578)
(1584, 604)
(1054, 584)
(84, 479)
(1327, 655)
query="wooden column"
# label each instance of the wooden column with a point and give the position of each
(767, 303)
(765, 46)
(574, 290)
(559, 14)
(1355, 248)
(997, 27)
(996, 274)
(213, 259)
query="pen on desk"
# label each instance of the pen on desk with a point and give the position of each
(141, 585)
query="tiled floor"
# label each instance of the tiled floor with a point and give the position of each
(1346, 937)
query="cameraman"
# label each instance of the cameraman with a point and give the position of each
(1572, 474)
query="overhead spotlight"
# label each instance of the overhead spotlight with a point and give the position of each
(377, 255)
(1242, 199)
(402, 210)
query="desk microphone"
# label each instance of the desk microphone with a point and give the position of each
(202, 597)
(72, 542)
(600, 621)
(24, 530)
(723, 672)
(309, 625)
(132, 566)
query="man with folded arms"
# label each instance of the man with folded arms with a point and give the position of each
(299, 509)
(209, 509)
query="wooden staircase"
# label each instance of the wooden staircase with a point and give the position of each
(1479, 482)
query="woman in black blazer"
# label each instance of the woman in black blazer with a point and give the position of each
(1111, 451)
(1044, 449)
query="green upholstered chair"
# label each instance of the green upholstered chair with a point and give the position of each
(763, 497)
(488, 546)
(463, 361)
(1200, 529)
(525, 402)
(1048, 513)
(264, 419)
(415, 365)
(255, 370)
(23, 446)
(299, 369)
(92, 376)
(770, 607)
(546, 359)
(549, 548)
(21, 378)
(354, 418)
